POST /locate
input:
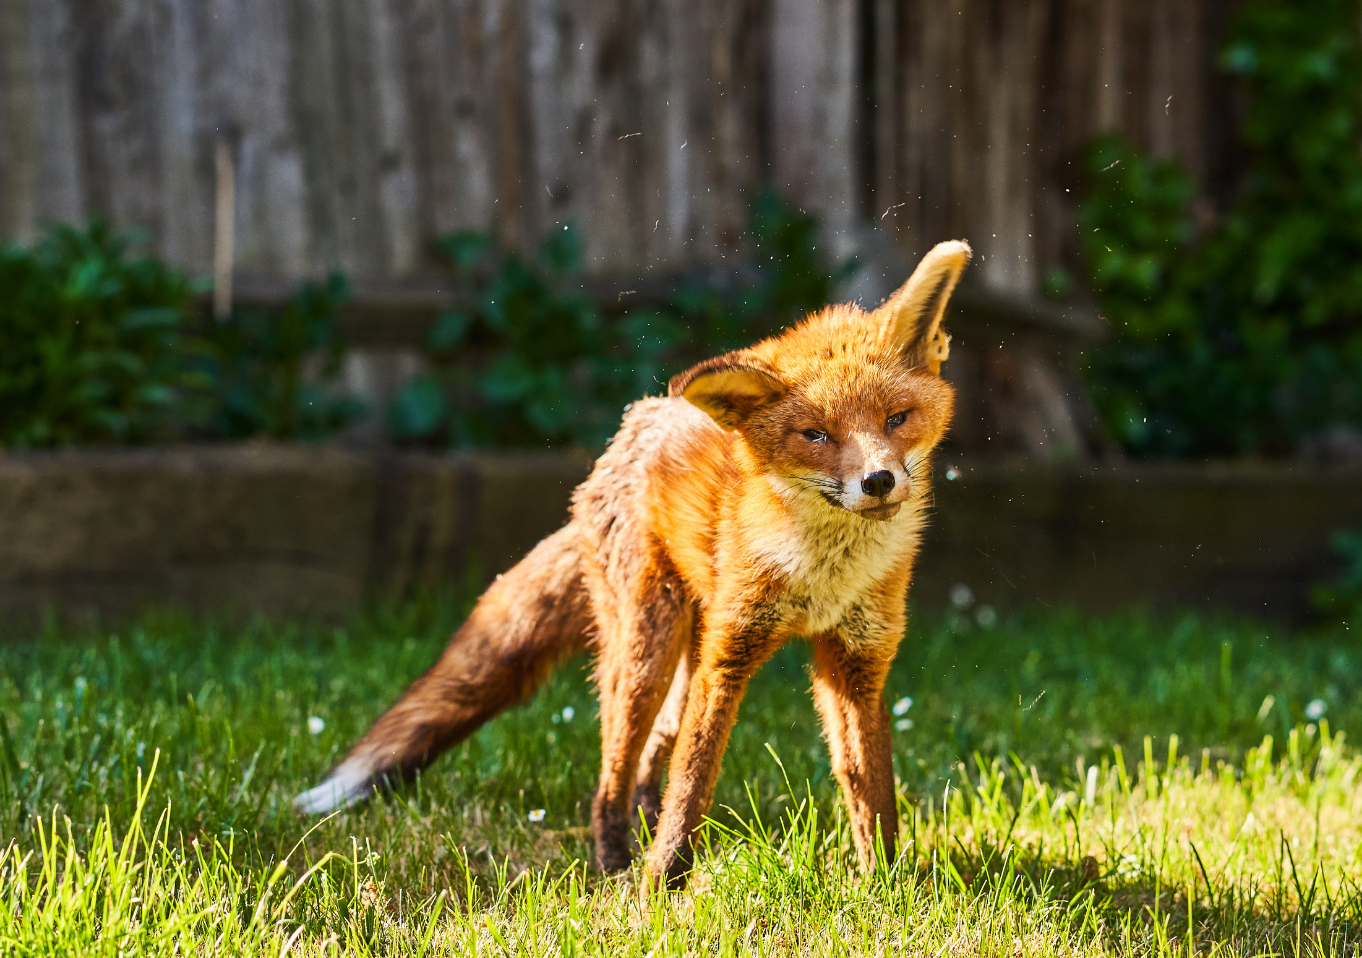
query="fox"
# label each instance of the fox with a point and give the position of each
(777, 491)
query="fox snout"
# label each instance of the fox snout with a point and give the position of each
(879, 494)
(874, 475)
(878, 484)
(871, 492)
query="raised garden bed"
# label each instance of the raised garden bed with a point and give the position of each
(297, 528)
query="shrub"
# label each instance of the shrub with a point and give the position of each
(97, 346)
(1244, 337)
(784, 280)
(530, 361)
(526, 362)
(272, 371)
(92, 342)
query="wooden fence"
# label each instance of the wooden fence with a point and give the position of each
(361, 129)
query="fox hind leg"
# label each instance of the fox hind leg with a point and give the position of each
(640, 642)
(657, 750)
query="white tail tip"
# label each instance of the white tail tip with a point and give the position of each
(348, 784)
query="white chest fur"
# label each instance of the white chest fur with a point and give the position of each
(832, 559)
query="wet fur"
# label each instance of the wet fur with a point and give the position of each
(711, 531)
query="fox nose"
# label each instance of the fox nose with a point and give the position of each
(878, 483)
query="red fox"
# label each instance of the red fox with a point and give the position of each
(778, 490)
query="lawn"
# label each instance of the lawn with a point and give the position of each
(1132, 784)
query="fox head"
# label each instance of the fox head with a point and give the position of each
(843, 409)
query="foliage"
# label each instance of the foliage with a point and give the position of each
(543, 373)
(1067, 785)
(1243, 337)
(260, 368)
(785, 280)
(98, 346)
(1342, 598)
(92, 341)
(531, 362)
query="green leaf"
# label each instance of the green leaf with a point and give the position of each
(162, 317)
(508, 380)
(419, 409)
(560, 252)
(466, 250)
(448, 332)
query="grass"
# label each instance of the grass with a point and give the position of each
(1132, 784)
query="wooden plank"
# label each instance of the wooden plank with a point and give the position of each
(884, 145)
(251, 47)
(400, 248)
(18, 151)
(190, 124)
(60, 192)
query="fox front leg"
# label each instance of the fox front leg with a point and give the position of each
(848, 689)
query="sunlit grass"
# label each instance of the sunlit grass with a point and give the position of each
(1067, 785)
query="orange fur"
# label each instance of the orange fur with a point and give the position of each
(778, 491)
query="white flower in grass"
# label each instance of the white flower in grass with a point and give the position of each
(568, 713)
(986, 616)
(315, 725)
(902, 705)
(903, 725)
(537, 815)
(1316, 709)
(962, 596)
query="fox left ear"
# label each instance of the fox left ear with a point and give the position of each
(729, 387)
(913, 314)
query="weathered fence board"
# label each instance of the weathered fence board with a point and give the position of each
(363, 128)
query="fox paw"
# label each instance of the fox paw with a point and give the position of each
(647, 805)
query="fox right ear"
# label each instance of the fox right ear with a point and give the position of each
(729, 387)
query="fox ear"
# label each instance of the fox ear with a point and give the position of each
(729, 387)
(913, 314)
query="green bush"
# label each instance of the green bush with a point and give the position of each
(530, 361)
(92, 342)
(98, 346)
(785, 279)
(527, 362)
(259, 367)
(1243, 337)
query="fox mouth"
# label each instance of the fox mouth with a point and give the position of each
(878, 513)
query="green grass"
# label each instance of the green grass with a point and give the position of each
(1131, 785)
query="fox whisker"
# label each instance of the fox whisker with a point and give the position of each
(817, 482)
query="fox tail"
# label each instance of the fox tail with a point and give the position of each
(530, 619)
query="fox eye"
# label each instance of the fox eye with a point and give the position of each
(896, 420)
(814, 435)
